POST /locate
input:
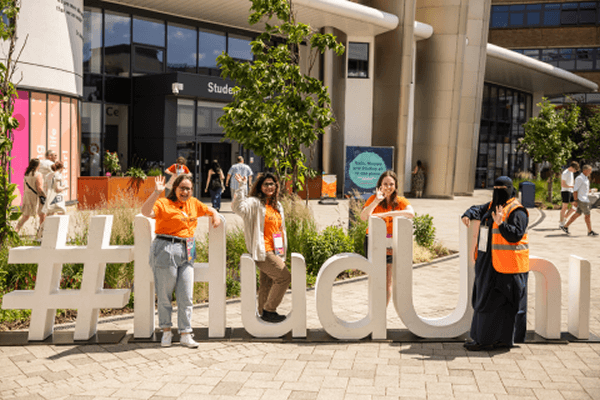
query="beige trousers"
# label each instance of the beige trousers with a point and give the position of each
(274, 280)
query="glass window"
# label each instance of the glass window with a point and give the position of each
(181, 48)
(587, 16)
(552, 14)
(117, 90)
(517, 19)
(148, 60)
(534, 7)
(533, 18)
(210, 45)
(550, 56)
(499, 19)
(203, 120)
(358, 60)
(532, 53)
(92, 40)
(518, 51)
(117, 39)
(239, 47)
(518, 7)
(593, 98)
(567, 59)
(216, 113)
(569, 6)
(585, 59)
(92, 87)
(568, 17)
(149, 31)
(499, 8)
(91, 135)
(185, 117)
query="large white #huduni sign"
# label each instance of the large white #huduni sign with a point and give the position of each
(53, 253)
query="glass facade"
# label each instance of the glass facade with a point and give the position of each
(503, 113)
(571, 59)
(119, 45)
(358, 60)
(543, 14)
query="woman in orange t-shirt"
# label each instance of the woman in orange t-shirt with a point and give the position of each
(175, 170)
(173, 252)
(386, 204)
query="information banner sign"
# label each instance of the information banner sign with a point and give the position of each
(363, 167)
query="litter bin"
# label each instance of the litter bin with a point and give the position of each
(527, 190)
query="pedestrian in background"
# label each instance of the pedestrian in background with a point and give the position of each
(266, 240)
(173, 252)
(241, 169)
(501, 270)
(33, 194)
(386, 204)
(418, 179)
(175, 170)
(581, 191)
(214, 184)
(567, 182)
(46, 165)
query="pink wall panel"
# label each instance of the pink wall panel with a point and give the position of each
(38, 126)
(75, 163)
(65, 140)
(20, 151)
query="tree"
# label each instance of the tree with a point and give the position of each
(547, 138)
(277, 110)
(586, 134)
(8, 123)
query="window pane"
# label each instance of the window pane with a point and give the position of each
(92, 40)
(499, 8)
(117, 43)
(532, 53)
(593, 98)
(500, 20)
(149, 31)
(210, 45)
(519, 7)
(587, 16)
(534, 7)
(533, 18)
(518, 51)
(567, 59)
(358, 60)
(239, 47)
(588, 5)
(569, 6)
(185, 117)
(516, 19)
(117, 90)
(551, 18)
(92, 87)
(568, 17)
(585, 59)
(550, 56)
(147, 59)
(181, 48)
(91, 132)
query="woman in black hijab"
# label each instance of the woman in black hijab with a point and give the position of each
(501, 270)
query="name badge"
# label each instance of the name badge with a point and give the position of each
(278, 244)
(483, 238)
(190, 244)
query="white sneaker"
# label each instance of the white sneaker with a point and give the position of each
(561, 224)
(186, 340)
(167, 337)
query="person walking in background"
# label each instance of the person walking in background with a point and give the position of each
(241, 169)
(46, 165)
(501, 270)
(214, 184)
(175, 170)
(33, 194)
(567, 182)
(386, 204)
(56, 185)
(266, 240)
(418, 179)
(581, 190)
(173, 252)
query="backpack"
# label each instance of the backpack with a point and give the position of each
(215, 181)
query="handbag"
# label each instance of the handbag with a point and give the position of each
(42, 198)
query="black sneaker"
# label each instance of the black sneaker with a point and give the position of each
(592, 233)
(273, 317)
(565, 229)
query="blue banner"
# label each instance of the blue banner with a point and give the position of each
(363, 167)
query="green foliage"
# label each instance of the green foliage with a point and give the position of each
(424, 231)
(547, 137)
(136, 172)
(358, 227)
(333, 240)
(587, 134)
(541, 191)
(9, 10)
(112, 164)
(277, 110)
(154, 171)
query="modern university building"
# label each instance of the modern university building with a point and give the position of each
(139, 77)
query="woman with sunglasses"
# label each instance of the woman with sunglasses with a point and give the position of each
(173, 252)
(266, 240)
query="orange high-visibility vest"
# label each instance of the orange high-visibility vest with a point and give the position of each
(507, 257)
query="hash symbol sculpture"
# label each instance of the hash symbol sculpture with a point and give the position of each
(50, 257)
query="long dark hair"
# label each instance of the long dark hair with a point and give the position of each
(394, 195)
(33, 164)
(57, 166)
(257, 192)
(215, 166)
(172, 195)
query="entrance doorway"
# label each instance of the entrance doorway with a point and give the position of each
(215, 151)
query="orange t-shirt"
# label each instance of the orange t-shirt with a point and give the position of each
(402, 204)
(175, 167)
(272, 226)
(175, 218)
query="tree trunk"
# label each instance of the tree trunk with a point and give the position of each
(550, 182)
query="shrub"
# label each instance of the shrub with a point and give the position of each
(154, 171)
(424, 231)
(333, 240)
(136, 172)
(358, 228)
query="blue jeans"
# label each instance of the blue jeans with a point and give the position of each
(172, 272)
(215, 196)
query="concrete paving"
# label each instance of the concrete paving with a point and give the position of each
(336, 370)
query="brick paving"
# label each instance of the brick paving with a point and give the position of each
(227, 370)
